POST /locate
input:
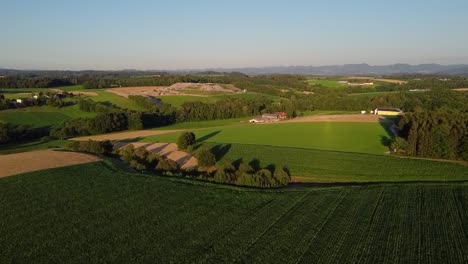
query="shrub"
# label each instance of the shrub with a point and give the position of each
(205, 157)
(185, 140)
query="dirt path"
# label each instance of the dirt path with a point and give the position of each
(168, 150)
(335, 118)
(13, 164)
(128, 135)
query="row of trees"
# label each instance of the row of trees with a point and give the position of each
(33, 82)
(441, 134)
(15, 133)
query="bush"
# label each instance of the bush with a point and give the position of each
(205, 157)
(185, 140)
(91, 146)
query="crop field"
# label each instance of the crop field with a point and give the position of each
(319, 166)
(104, 96)
(42, 116)
(327, 83)
(349, 137)
(91, 212)
(178, 100)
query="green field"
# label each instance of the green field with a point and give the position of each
(91, 213)
(348, 137)
(42, 116)
(178, 100)
(308, 165)
(327, 83)
(205, 124)
(29, 146)
(104, 96)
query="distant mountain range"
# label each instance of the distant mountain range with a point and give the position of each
(356, 69)
(347, 69)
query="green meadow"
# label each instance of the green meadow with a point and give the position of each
(85, 213)
(42, 116)
(105, 96)
(326, 83)
(348, 137)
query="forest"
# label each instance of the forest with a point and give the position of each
(441, 134)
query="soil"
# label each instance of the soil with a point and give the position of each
(170, 151)
(129, 135)
(192, 89)
(13, 164)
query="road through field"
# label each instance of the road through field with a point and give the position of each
(13, 164)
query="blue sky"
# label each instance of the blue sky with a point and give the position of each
(177, 34)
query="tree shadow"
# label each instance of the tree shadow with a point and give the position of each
(271, 167)
(386, 141)
(208, 136)
(220, 150)
(255, 164)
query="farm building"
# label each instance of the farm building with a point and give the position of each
(388, 111)
(361, 84)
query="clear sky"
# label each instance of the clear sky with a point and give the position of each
(177, 34)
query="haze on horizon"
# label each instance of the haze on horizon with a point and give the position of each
(167, 35)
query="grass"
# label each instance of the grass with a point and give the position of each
(205, 124)
(29, 146)
(308, 165)
(42, 116)
(92, 213)
(178, 100)
(349, 137)
(327, 83)
(104, 96)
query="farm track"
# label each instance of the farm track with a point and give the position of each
(18, 163)
(168, 150)
(127, 135)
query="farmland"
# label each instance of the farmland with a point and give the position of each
(309, 165)
(349, 137)
(42, 116)
(90, 212)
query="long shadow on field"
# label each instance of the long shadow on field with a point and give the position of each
(208, 136)
(220, 150)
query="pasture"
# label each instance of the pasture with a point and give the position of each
(105, 96)
(42, 116)
(91, 212)
(348, 137)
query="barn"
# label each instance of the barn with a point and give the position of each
(388, 111)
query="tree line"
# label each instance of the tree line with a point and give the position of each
(436, 134)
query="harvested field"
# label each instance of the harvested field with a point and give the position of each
(336, 118)
(126, 135)
(192, 89)
(13, 164)
(168, 150)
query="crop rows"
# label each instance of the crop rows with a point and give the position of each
(66, 215)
